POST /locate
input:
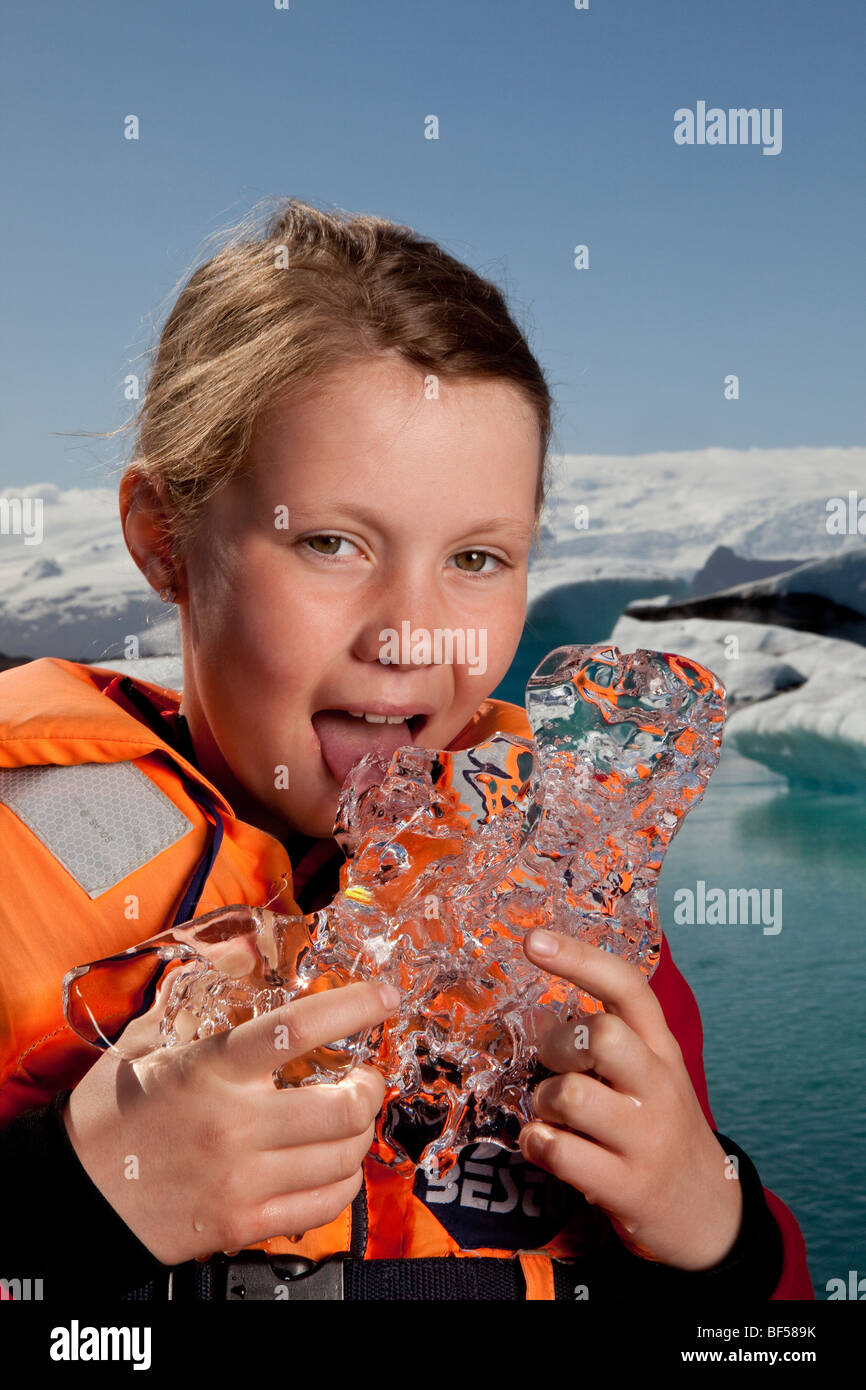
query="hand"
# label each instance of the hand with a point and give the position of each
(625, 1126)
(222, 1158)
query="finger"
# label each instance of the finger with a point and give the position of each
(285, 1215)
(621, 985)
(539, 1023)
(322, 1112)
(586, 1105)
(603, 1044)
(307, 1167)
(261, 1045)
(598, 1173)
(142, 1035)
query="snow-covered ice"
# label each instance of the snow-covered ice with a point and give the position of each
(653, 520)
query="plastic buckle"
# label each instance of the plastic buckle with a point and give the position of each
(257, 1276)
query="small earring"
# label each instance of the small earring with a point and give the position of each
(168, 595)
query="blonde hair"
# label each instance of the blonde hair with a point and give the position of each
(279, 305)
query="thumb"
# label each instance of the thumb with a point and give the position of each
(142, 1035)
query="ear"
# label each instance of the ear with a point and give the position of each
(147, 530)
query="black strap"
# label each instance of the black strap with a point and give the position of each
(447, 1277)
(195, 887)
(178, 738)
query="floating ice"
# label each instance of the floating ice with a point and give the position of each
(451, 858)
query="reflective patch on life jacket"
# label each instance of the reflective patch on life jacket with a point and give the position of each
(101, 821)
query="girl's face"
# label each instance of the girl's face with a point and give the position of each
(368, 510)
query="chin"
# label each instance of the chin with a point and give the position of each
(320, 813)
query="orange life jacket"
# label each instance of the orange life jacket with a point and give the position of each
(103, 825)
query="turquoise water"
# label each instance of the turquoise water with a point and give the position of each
(783, 1014)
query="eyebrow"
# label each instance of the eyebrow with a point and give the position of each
(501, 525)
(504, 525)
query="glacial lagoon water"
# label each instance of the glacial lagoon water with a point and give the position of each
(784, 1012)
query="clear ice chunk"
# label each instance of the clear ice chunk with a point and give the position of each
(451, 857)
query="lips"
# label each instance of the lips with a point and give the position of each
(344, 739)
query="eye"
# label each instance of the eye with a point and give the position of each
(476, 559)
(329, 544)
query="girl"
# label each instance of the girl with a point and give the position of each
(344, 432)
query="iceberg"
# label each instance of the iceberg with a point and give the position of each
(796, 700)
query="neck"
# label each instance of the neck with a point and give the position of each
(296, 845)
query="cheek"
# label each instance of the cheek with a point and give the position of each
(244, 614)
(500, 630)
(504, 628)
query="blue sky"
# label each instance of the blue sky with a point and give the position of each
(556, 128)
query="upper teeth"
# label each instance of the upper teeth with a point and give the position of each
(381, 718)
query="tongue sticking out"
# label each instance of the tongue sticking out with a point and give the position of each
(345, 740)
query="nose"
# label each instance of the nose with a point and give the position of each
(401, 603)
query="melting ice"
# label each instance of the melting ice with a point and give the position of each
(451, 857)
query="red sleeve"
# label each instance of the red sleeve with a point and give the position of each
(684, 1020)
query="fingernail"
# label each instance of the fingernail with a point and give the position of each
(537, 1141)
(389, 995)
(538, 1024)
(543, 943)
